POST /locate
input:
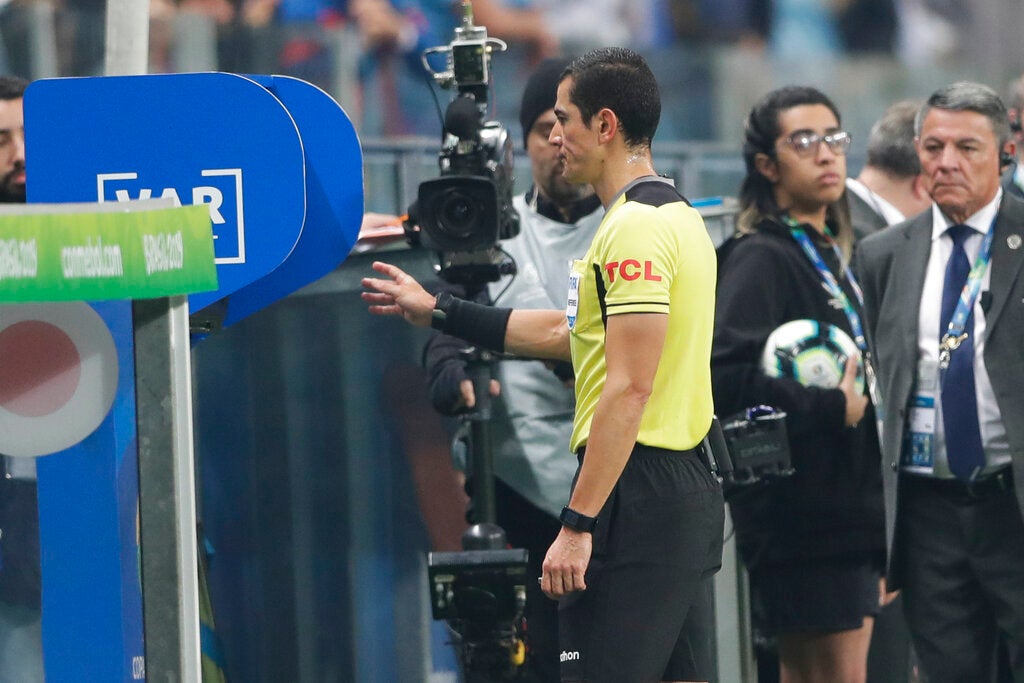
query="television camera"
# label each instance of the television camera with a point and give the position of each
(465, 212)
(479, 592)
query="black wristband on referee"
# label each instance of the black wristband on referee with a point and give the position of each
(478, 324)
(577, 520)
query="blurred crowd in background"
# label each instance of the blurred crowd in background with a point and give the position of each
(713, 58)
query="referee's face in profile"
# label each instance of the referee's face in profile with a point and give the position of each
(572, 135)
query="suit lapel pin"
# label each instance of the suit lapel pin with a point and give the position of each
(1014, 241)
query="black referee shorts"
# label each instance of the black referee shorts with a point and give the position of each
(647, 612)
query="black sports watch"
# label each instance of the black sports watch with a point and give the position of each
(575, 520)
(440, 313)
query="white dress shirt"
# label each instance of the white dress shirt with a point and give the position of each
(993, 433)
(882, 206)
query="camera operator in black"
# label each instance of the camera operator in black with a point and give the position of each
(814, 543)
(533, 415)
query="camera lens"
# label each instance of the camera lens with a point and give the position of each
(457, 214)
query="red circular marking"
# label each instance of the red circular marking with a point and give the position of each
(39, 368)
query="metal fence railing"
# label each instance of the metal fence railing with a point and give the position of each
(394, 168)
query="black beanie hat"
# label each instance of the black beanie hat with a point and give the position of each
(540, 92)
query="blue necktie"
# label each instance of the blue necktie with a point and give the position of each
(959, 403)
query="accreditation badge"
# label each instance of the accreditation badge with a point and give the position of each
(919, 438)
(572, 302)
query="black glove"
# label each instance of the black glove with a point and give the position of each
(444, 363)
(563, 370)
(446, 369)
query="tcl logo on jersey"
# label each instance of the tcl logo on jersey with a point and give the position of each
(631, 269)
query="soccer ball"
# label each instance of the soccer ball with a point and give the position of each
(811, 352)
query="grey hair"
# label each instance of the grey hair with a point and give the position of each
(891, 141)
(969, 96)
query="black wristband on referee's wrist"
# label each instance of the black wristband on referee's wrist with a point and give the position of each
(577, 520)
(478, 324)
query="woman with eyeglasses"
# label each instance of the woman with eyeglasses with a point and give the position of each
(813, 542)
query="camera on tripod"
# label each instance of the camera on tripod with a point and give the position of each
(465, 212)
(479, 592)
(482, 596)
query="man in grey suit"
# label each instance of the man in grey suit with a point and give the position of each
(950, 376)
(889, 188)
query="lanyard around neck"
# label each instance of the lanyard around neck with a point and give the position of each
(829, 280)
(955, 334)
(833, 287)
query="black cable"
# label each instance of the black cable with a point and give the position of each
(512, 277)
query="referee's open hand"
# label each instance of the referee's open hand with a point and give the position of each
(566, 563)
(398, 293)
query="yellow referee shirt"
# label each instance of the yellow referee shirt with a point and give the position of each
(651, 254)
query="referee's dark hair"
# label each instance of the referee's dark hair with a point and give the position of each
(619, 79)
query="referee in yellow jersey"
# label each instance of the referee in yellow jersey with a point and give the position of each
(642, 532)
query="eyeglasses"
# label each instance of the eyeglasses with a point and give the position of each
(806, 144)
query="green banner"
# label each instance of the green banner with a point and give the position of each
(106, 254)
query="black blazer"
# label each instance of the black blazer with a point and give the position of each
(891, 268)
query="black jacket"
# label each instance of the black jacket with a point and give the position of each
(832, 505)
